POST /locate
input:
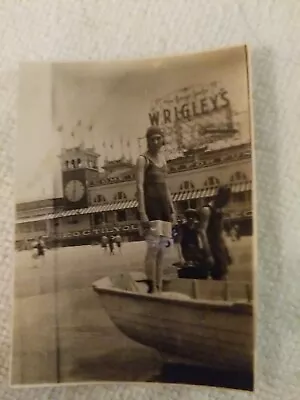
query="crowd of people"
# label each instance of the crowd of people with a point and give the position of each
(110, 242)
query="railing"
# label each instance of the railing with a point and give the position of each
(173, 169)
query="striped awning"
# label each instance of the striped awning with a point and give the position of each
(241, 187)
(194, 194)
(210, 192)
(122, 205)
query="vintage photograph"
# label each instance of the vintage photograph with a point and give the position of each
(134, 237)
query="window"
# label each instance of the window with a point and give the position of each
(100, 199)
(99, 218)
(193, 203)
(72, 220)
(39, 226)
(211, 181)
(121, 215)
(239, 197)
(25, 227)
(120, 196)
(187, 185)
(238, 177)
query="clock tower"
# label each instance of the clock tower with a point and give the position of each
(79, 166)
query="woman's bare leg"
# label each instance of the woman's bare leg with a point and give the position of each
(151, 260)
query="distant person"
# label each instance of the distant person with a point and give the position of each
(237, 232)
(190, 241)
(118, 241)
(234, 233)
(104, 243)
(40, 251)
(211, 233)
(191, 248)
(155, 206)
(111, 245)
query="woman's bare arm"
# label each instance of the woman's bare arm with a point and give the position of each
(205, 214)
(140, 173)
(171, 201)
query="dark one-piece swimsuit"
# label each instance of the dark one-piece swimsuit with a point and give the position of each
(155, 192)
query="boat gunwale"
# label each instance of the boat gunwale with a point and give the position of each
(235, 307)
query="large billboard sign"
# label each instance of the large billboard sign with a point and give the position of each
(198, 114)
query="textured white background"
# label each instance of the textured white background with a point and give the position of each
(113, 29)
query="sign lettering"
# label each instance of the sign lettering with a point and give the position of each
(133, 227)
(193, 107)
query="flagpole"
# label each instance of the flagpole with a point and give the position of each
(112, 147)
(122, 147)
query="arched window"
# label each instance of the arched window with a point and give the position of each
(120, 196)
(239, 197)
(238, 177)
(100, 199)
(211, 181)
(187, 185)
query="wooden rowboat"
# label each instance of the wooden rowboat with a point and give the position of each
(206, 323)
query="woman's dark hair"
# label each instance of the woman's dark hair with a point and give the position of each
(155, 130)
(224, 190)
(191, 212)
(223, 194)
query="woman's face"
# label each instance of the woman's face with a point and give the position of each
(155, 142)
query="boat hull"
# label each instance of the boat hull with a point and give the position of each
(212, 334)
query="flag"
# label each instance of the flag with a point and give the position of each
(72, 134)
(128, 143)
(60, 128)
(112, 145)
(90, 127)
(79, 123)
(104, 145)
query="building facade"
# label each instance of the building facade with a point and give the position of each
(104, 202)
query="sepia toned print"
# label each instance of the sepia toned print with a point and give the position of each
(135, 222)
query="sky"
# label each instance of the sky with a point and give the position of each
(112, 102)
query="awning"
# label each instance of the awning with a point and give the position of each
(210, 192)
(194, 194)
(123, 205)
(241, 187)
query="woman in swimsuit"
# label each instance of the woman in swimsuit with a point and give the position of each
(155, 206)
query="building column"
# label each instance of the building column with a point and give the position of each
(48, 227)
(92, 221)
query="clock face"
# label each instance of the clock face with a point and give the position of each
(74, 190)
